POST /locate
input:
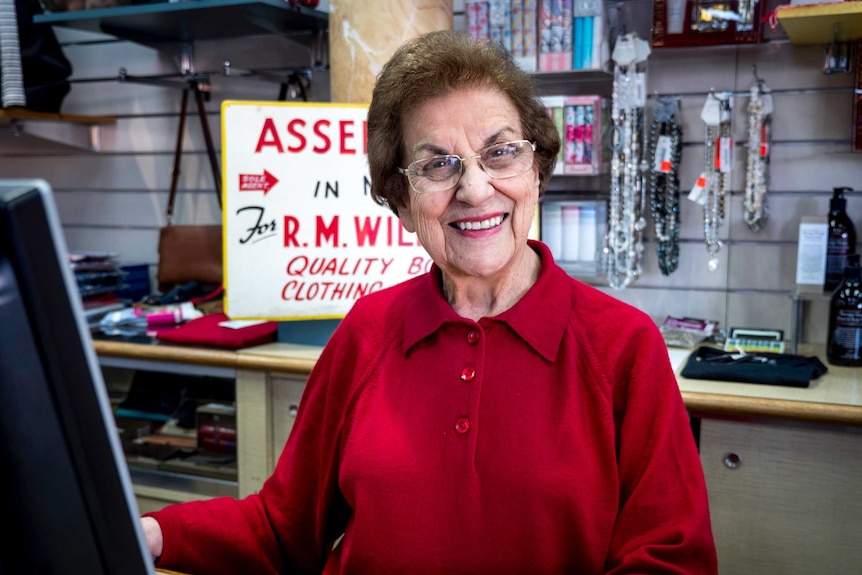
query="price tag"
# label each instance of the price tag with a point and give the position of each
(624, 51)
(642, 49)
(640, 89)
(723, 159)
(711, 113)
(767, 103)
(698, 192)
(663, 162)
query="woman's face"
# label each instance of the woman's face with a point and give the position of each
(479, 227)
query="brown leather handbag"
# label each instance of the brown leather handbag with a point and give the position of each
(190, 253)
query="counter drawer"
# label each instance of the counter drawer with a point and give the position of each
(784, 498)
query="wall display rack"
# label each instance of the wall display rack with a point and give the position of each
(81, 132)
(163, 22)
(565, 190)
(176, 26)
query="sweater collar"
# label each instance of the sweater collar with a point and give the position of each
(536, 317)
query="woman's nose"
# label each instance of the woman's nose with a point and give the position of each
(474, 187)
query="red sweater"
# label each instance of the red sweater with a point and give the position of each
(549, 439)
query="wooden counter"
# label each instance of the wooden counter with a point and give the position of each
(783, 465)
(834, 398)
(280, 357)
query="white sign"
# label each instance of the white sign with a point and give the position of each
(811, 253)
(302, 237)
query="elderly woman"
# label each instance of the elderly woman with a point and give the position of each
(492, 416)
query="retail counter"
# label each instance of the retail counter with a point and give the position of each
(835, 398)
(783, 465)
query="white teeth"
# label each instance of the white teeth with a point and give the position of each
(483, 225)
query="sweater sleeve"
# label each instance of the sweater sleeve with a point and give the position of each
(663, 525)
(291, 523)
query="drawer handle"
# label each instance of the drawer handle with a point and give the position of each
(732, 460)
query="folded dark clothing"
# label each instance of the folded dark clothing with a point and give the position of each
(764, 368)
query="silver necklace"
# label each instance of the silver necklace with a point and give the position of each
(716, 175)
(755, 207)
(623, 244)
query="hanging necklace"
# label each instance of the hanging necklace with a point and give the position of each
(755, 207)
(713, 185)
(623, 244)
(665, 152)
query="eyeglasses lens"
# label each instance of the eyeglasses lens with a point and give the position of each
(440, 173)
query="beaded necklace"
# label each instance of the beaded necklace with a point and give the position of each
(715, 179)
(755, 206)
(665, 152)
(623, 244)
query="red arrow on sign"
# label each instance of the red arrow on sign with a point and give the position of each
(257, 182)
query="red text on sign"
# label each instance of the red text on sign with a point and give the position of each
(321, 137)
(370, 232)
(367, 230)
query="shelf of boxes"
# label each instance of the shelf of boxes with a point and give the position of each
(574, 231)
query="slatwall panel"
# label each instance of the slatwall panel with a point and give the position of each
(115, 199)
(810, 155)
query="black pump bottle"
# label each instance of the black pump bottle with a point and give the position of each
(844, 338)
(841, 241)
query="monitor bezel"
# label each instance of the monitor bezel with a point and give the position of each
(71, 447)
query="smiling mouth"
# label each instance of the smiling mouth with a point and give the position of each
(480, 225)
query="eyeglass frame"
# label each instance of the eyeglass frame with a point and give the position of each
(477, 157)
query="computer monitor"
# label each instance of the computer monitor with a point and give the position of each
(66, 502)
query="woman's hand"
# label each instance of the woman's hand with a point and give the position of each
(153, 535)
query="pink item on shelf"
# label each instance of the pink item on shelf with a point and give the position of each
(500, 22)
(555, 35)
(586, 133)
(569, 144)
(477, 20)
(517, 20)
(529, 27)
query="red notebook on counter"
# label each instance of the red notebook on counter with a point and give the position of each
(207, 331)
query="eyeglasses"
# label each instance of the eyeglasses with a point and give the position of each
(441, 173)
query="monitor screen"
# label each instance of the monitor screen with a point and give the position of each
(67, 501)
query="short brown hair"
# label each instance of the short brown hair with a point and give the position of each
(433, 65)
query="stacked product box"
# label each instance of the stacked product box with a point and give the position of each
(588, 31)
(582, 145)
(579, 121)
(574, 230)
(543, 35)
(555, 35)
(136, 283)
(510, 22)
(554, 106)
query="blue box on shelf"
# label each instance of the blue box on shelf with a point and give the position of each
(136, 282)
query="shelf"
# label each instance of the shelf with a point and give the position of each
(65, 130)
(10, 115)
(560, 185)
(574, 82)
(149, 476)
(816, 24)
(164, 22)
